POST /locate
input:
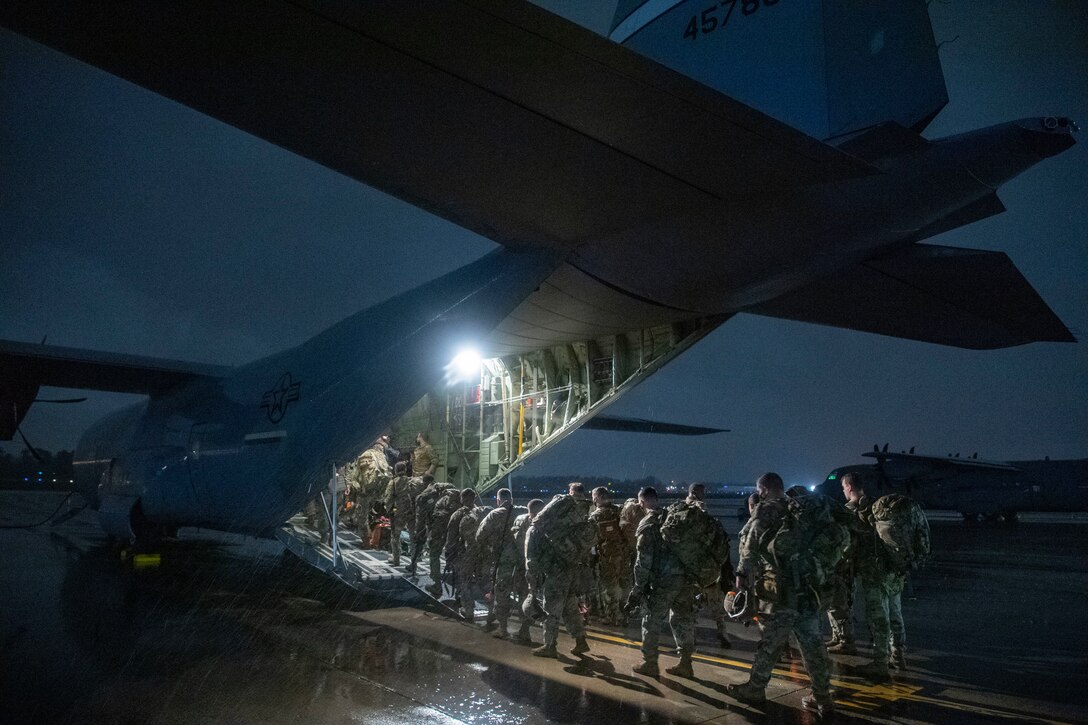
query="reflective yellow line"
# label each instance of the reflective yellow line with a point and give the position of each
(885, 692)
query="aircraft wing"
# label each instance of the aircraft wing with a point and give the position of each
(25, 367)
(960, 297)
(914, 459)
(496, 115)
(641, 425)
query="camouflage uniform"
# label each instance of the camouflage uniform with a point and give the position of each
(558, 579)
(423, 457)
(463, 556)
(367, 483)
(840, 610)
(497, 540)
(665, 588)
(879, 584)
(782, 612)
(614, 562)
(400, 506)
(437, 529)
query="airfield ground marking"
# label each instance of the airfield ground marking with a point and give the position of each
(881, 693)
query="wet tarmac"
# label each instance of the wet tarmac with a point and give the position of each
(230, 629)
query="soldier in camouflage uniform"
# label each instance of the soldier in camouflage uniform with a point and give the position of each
(400, 506)
(368, 481)
(423, 505)
(462, 552)
(713, 596)
(880, 586)
(441, 511)
(791, 612)
(424, 459)
(663, 589)
(556, 573)
(510, 577)
(840, 610)
(614, 557)
(494, 540)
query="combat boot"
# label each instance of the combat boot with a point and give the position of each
(874, 671)
(824, 707)
(435, 590)
(580, 646)
(647, 667)
(843, 647)
(747, 693)
(898, 659)
(500, 633)
(410, 569)
(682, 668)
(523, 637)
(546, 650)
(489, 623)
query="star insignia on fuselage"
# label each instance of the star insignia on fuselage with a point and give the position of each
(275, 401)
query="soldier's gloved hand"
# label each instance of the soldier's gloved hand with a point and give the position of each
(634, 601)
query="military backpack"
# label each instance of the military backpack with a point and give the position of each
(611, 543)
(563, 522)
(447, 500)
(697, 540)
(903, 531)
(807, 546)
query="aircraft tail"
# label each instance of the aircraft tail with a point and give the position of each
(946, 295)
(827, 67)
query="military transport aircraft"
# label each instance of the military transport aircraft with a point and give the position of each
(591, 164)
(977, 489)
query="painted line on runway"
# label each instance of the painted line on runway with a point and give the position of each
(881, 693)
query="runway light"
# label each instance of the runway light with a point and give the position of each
(812, 487)
(465, 365)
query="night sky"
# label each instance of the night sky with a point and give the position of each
(129, 223)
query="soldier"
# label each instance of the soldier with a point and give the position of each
(792, 611)
(424, 459)
(663, 589)
(424, 507)
(557, 551)
(447, 501)
(713, 596)
(614, 557)
(462, 553)
(400, 498)
(493, 539)
(511, 577)
(881, 587)
(368, 482)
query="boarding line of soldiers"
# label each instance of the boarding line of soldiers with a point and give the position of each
(551, 558)
(792, 608)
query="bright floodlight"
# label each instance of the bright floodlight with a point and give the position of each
(466, 365)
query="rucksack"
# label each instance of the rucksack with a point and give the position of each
(808, 544)
(611, 543)
(564, 522)
(630, 515)
(448, 501)
(903, 530)
(697, 540)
